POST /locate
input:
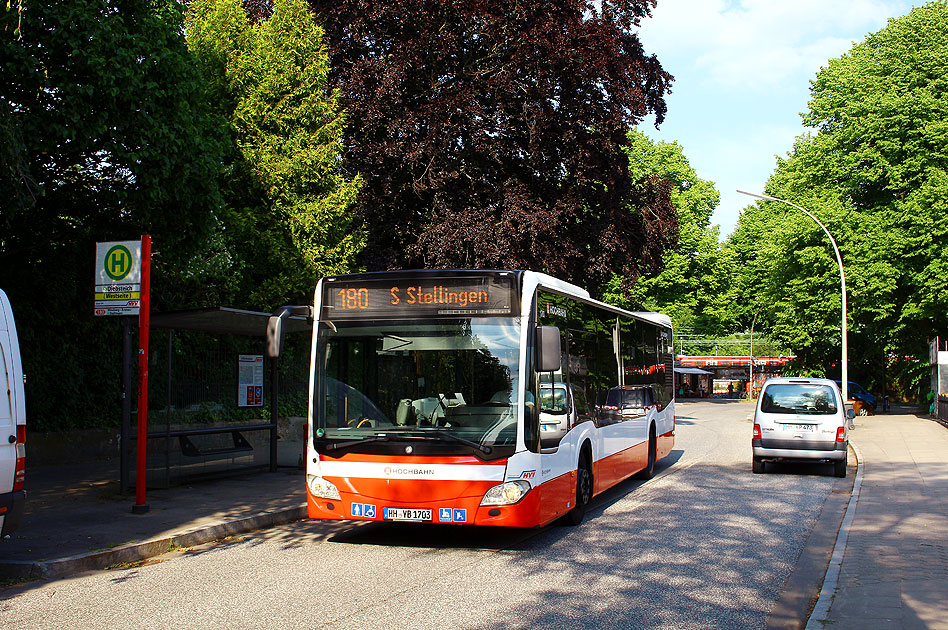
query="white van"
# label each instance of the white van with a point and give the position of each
(12, 424)
(801, 419)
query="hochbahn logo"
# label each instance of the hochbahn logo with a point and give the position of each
(407, 470)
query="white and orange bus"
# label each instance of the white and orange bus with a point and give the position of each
(477, 397)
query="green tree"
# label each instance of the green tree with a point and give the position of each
(105, 136)
(287, 221)
(875, 172)
(693, 284)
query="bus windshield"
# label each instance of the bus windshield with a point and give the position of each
(447, 381)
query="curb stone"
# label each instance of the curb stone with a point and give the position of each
(818, 618)
(134, 552)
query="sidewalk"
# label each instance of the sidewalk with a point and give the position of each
(76, 520)
(894, 567)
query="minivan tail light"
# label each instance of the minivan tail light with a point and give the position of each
(756, 431)
(841, 434)
(19, 478)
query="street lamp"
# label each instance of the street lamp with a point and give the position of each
(842, 283)
(752, 353)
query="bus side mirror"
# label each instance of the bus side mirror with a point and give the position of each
(274, 336)
(549, 349)
(275, 327)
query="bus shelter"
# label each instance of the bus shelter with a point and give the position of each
(216, 404)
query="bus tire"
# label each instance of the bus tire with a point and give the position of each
(584, 490)
(649, 471)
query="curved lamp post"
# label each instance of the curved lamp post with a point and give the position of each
(842, 281)
(752, 354)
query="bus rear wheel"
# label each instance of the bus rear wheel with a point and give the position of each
(649, 471)
(584, 491)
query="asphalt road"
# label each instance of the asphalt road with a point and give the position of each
(705, 544)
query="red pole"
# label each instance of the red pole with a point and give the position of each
(140, 506)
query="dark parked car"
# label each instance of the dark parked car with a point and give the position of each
(623, 403)
(863, 402)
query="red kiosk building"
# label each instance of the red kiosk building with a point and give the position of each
(724, 376)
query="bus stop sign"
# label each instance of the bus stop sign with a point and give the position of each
(118, 278)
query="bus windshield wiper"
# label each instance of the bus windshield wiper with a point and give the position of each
(428, 435)
(381, 437)
(450, 436)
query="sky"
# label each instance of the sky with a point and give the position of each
(742, 73)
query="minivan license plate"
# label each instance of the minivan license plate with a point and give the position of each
(800, 427)
(406, 514)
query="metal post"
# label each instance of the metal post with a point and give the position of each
(274, 409)
(168, 412)
(842, 281)
(126, 435)
(140, 507)
(751, 377)
(752, 353)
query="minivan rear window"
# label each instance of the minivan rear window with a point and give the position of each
(798, 398)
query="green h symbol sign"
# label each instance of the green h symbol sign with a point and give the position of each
(118, 262)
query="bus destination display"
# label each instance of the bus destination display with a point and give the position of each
(418, 297)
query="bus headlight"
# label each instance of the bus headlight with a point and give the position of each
(321, 488)
(507, 493)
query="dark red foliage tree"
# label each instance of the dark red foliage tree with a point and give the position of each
(257, 10)
(491, 134)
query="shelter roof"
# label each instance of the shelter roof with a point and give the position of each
(691, 370)
(222, 319)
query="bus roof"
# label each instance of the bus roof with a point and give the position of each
(549, 282)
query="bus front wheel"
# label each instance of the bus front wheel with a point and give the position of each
(584, 490)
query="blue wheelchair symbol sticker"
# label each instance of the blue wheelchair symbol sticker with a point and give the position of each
(460, 516)
(444, 515)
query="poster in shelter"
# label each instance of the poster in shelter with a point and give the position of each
(250, 380)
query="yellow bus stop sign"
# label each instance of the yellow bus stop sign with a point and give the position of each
(118, 277)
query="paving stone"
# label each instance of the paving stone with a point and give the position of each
(894, 572)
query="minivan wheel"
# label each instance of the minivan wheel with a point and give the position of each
(839, 467)
(758, 465)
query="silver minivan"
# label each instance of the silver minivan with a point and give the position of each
(801, 419)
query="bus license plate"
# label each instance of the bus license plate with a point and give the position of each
(406, 514)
